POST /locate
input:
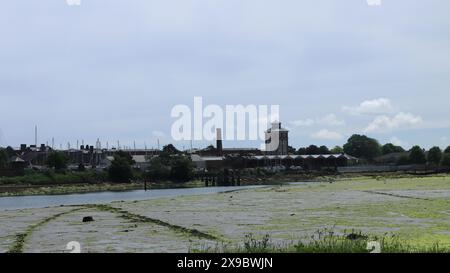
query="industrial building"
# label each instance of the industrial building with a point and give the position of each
(209, 158)
(275, 154)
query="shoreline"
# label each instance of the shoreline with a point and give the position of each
(15, 203)
(25, 189)
(28, 189)
(80, 188)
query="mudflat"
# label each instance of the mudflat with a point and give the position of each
(415, 209)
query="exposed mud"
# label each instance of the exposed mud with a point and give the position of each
(419, 214)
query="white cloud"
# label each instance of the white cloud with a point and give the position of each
(371, 107)
(396, 141)
(328, 120)
(326, 134)
(331, 120)
(303, 122)
(383, 123)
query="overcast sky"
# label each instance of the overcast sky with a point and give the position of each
(114, 69)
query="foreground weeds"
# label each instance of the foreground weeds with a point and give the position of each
(327, 241)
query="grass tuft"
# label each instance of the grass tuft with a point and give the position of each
(326, 241)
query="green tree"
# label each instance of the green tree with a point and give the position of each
(158, 169)
(57, 160)
(324, 150)
(445, 162)
(434, 156)
(120, 169)
(301, 151)
(126, 156)
(182, 169)
(362, 146)
(291, 150)
(10, 151)
(3, 158)
(390, 148)
(171, 150)
(312, 150)
(417, 155)
(337, 150)
(168, 152)
(447, 151)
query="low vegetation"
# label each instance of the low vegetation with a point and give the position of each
(328, 241)
(50, 177)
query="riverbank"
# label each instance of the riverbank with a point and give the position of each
(41, 184)
(86, 182)
(412, 212)
(58, 189)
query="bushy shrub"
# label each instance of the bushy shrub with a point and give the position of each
(182, 169)
(158, 170)
(176, 168)
(120, 170)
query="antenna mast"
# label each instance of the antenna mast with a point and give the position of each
(35, 135)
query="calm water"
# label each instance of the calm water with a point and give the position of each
(42, 201)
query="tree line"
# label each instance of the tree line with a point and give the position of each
(369, 149)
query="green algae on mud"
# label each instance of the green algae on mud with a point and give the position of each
(418, 222)
(139, 218)
(20, 238)
(294, 209)
(411, 215)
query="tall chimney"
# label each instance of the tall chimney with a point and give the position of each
(219, 146)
